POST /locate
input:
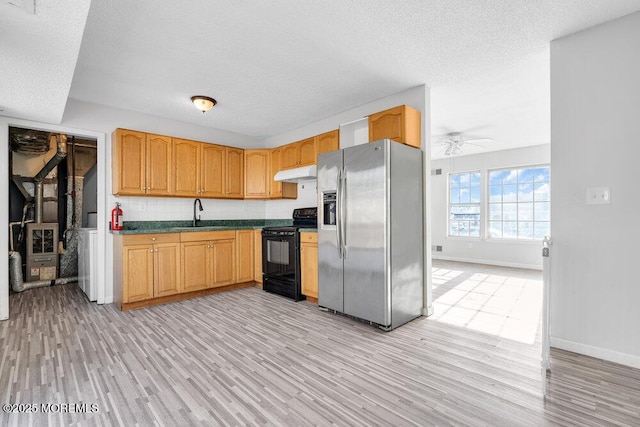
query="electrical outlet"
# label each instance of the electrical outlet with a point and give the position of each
(436, 248)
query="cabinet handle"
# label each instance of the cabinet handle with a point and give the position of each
(153, 238)
(156, 250)
(151, 250)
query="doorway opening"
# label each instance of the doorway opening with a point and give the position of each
(52, 200)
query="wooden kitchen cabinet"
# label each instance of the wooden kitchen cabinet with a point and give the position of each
(245, 257)
(280, 190)
(186, 168)
(224, 262)
(213, 166)
(146, 266)
(309, 264)
(297, 154)
(137, 272)
(307, 152)
(197, 265)
(328, 141)
(257, 264)
(401, 124)
(158, 165)
(257, 177)
(141, 164)
(208, 259)
(235, 173)
(290, 154)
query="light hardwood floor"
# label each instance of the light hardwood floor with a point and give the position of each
(247, 357)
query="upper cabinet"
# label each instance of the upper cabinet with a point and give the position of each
(329, 141)
(277, 189)
(400, 124)
(297, 154)
(158, 171)
(256, 180)
(235, 173)
(141, 164)
(186, 168)
(213, 172)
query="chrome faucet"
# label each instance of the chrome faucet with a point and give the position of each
(195, 220)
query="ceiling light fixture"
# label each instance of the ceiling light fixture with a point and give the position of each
(203, 103)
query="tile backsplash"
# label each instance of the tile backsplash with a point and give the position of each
(167, 209)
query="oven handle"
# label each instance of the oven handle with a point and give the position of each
(338, 219)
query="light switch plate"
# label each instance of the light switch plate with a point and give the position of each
(598, 196)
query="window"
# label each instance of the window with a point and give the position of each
(464, 204)
(519, 203)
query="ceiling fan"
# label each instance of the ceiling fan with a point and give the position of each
(453, 142)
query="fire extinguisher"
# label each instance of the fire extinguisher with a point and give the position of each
(117, 218)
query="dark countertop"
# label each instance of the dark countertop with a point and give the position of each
(155, 227)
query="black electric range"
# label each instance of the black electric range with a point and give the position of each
(281, 255)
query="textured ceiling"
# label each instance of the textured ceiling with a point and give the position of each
(39, 53)
(275, 66)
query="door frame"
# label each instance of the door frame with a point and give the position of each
(5, 123)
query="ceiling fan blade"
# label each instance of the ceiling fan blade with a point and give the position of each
(448, 150)
(478, 140)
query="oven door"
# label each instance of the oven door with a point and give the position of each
(280, 256)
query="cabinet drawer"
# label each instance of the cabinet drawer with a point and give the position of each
(145, 239)
(309, 237)
(197, 236)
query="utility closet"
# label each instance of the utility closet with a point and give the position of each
(52, 194)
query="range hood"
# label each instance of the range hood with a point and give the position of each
(304, 173)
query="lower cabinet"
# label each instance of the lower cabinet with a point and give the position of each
(148, 266)
(257, 266)
(309, 263)
(208, 259)
(152, 266)
(245, 248)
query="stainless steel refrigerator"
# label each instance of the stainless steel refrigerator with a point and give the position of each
(370, 232)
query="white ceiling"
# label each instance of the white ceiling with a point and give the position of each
(276, 66)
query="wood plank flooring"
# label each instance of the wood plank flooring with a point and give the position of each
(247, 357)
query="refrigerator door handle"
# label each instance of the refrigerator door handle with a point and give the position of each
(338, 207)
(343, 213)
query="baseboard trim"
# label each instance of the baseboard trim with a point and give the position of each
(597, 352)
(487, 262)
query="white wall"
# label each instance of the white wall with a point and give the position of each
(483, 250)
(106, 119)
(595, 111)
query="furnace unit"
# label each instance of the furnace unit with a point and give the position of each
(42, 251)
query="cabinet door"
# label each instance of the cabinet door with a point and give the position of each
(329, 141)
(309, 264)
(224, 262)
(137, 283)
(196, 266)
(400, 124)
(244, 255)
(128, 163)
(166, 269)
(256, 174)
(235, 173)
(275, 161)
(213, 167)
(308, 154)
(257, 263)
(290, 155)
(158, 161)
(186, 168)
